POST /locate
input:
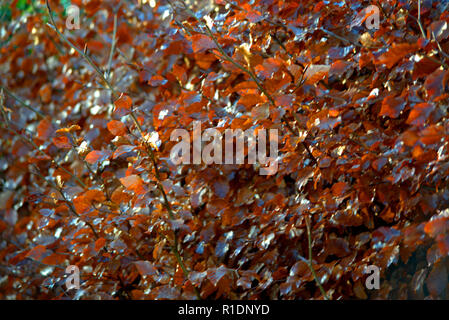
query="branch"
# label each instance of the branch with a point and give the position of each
(419, 20)
(21, 102)
(310, 262)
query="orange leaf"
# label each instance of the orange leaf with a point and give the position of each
(95, 156)
(392, 106)
(99, 244)
(250, 100)
(396, 53)
(133, 183)
(432, 134)
(436, 226)
(201, 43)
(37, 252)
(339, 189)
(44, 129)
(117, 128)
(123, 105)
(157, 81)
(72, 128)
(119, 196)
(54, 259)
(339, 67)
(62, 142)
(45, 93)
(420, 113)
(316, 73)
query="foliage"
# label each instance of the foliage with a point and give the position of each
(84, 155)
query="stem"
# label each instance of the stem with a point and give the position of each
(67, 201)
(310, 262)
(111, 54)
(419, 20)
(21, 102)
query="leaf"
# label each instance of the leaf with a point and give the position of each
(261, 112)
(45, 93)
(221, 187)
(215, 275)
(396, 53)
(436, 226)
(437, 279)
(339, 189)
(145, 268)
(44, 129)
(119, 196)
(201, 43)
(99, 244)
(440, 30)
(420, 113)
(37, 252)
(316, 73)
(392, 106)
(432, 134)
(133, 183)
(157, 81)
(84, 202)
(424, 67)
(54, 259)
(435, 83)
(121, 150)
(123, 105)
(250, 100)
(117, 128)
(70, 129)
(339, 67)
(62, 142)
(97, 156)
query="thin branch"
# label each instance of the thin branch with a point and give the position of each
(114, 40)
(66, 200)
(419, 20)
(21, 102)
(440, 50)
(80, 52)
(310, 263)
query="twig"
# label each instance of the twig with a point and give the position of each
(310, 262)
(67, 201)
(440, 50)
(336, 36)
(21, 102)
(419, 20)
(114, 40)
